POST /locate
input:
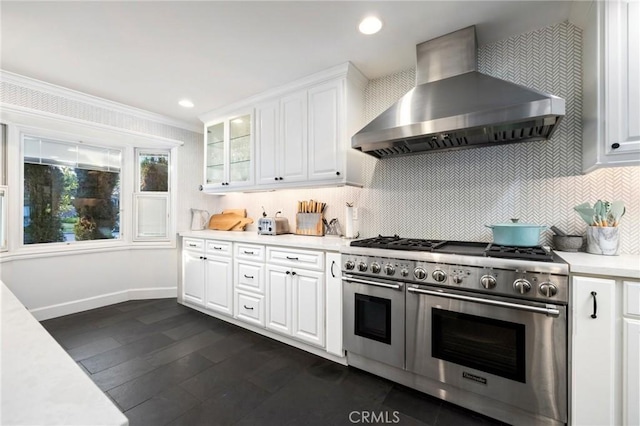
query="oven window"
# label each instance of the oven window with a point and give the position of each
(373, 318)
(489, 345)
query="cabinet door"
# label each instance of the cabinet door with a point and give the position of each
(240, 151)
(631, 372)
(219, 285)
(325, 131)
(334, 304)
(293, 137)
(308, 306)
(215, 152)
(279, 299)
(193, 278)
(594, 361)
(267, 143)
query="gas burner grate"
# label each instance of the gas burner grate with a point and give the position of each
(396, 243)
(537, 253)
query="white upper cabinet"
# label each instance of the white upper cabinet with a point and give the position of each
(229, 161)
(302, 135)
(281, 129)
(611, 68)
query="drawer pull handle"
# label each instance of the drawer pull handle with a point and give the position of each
(332, 265)
(292, 258)
(248, 308)
(595, 305)
(248, 276)
(248, 252)
(217, 248)
(192, 245)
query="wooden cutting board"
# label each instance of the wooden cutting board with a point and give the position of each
(239, 212)
(224, 222)
(243, 224)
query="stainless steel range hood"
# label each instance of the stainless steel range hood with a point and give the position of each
(453, 106)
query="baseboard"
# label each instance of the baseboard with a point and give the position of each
(74, 306)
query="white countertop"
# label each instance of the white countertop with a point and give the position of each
(622, 266)
(328, 243)
(40, 383)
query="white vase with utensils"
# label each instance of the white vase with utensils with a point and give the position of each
(603, 240)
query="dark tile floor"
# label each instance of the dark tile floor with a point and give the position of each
(165, 364)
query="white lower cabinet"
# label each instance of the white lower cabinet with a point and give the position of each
(219, 284)
(250, 308)
(631, 376)
(308, 306)
(279, 299)
(333, 291)
(193, 272)
(593, 383)
(207, 275)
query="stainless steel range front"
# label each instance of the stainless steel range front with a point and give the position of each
(453, 320)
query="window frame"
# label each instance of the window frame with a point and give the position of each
(138, 195)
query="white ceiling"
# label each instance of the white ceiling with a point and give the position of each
(150, 54)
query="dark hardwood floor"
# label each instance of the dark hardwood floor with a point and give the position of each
(164, 364)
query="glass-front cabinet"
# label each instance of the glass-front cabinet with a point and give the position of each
(229, 153)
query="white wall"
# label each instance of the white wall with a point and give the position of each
(58, 285)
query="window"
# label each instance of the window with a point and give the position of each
(152, 197)
(71, 191)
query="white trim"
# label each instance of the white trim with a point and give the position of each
(61, 309)
(16, 115)
(63, 92)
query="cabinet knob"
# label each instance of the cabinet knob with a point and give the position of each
(200, 187)
(615, 145)
(275, 178)
(337, 173)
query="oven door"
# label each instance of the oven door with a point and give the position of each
(511, 351)
(373, 319)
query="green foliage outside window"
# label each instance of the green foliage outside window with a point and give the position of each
(154, 172)
(43, 186)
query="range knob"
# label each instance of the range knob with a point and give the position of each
(488, 281)
(548, 289)
(389, 269)
(362, 267)
(420, 273)
(349, 265)
(457, 279)
(375, 267)
(439, 275)
(404, 272)
(521, 286)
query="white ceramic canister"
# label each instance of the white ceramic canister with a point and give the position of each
(603, 240)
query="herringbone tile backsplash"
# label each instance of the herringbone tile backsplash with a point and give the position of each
(454, 194)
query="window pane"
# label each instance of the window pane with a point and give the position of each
(154, 172)
(46, 151)
(152, 216)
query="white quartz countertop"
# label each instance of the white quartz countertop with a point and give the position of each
(328, 243)
(622, 266)
(40, 384)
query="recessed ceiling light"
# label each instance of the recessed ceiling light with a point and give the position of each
(370, 25)
(186, 103)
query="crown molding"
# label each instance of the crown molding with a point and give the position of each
(74, 95)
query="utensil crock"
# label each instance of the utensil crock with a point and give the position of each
(603, 240)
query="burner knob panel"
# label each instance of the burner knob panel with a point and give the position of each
(488, 281)
(375, 267)
(548, 289)
(404, 272)
(457, 279)
(362, 267)
(521, 286)
(439, 275)
(420, 273)
(349, 265)
(389, 269)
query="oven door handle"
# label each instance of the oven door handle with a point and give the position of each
(359, 281)
(547, 310)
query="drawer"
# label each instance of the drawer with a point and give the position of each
(221, 248)
(250, 277)
(193, 244)
(250, 308)
(249, 252)
(631, 298)
(308, 259)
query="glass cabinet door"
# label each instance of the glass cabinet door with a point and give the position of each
(215, 153)
(240, 149)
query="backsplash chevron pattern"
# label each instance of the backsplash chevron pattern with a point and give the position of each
(454, 194)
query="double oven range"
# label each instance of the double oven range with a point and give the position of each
(479, 325)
